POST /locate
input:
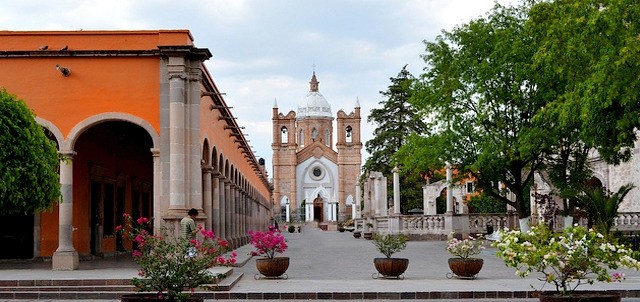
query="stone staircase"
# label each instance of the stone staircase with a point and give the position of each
(97, 289)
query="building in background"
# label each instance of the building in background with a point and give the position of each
(312, 179)
(141, 128)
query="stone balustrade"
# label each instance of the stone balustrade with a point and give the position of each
(435, 226)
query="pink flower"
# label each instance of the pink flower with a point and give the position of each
(142, 220)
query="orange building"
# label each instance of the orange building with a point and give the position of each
(141, 128)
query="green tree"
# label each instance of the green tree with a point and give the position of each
(592, 50)
(395, 121)
(29, 180)
(480, 96)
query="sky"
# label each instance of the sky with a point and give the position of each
(266, 50)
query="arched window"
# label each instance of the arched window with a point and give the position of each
(301, 138)
(314, 134)
(284, 135)
(349, 134)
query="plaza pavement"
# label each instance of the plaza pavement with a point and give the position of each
(336, 266)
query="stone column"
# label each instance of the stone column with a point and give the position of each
(426, 208)
(396, 191)
(215, 204)
(207, 200)
(177, 194)
(449, 192)
(356, 208)
(237, 221)
(228, 210)
(66, 257)
(157, 188)
(238, 213)
(223, 207)
(288, 213)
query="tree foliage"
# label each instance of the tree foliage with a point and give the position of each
(395, 121)
(29, 180)
(591, 50)
(479, 95)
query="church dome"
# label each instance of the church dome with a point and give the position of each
(314, 104)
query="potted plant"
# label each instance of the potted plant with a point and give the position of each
(566, 259)
(170, 264)
(341, 226)
(388, 245)
(291, 228)
(368, 233)
(464, 266)
(269, 244)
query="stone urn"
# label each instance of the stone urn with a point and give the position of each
(467, 268)
(391, 267)
(272, 267)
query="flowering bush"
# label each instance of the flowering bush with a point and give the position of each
(566, 259)
(465, 248)
(170, 264)
(267, 243)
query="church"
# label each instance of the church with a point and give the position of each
(315, 177)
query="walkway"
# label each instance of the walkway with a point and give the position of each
(333, 265)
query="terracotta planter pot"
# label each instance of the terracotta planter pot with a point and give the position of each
(466, 268)
(391, 267)
(150, 297)
(274, 267)
(367, 235)
(581, 296)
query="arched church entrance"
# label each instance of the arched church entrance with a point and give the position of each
(318, 209)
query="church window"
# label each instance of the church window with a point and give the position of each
(301, 139)
(284, 135)
(316, 173)
(314, 134)
(349, 134)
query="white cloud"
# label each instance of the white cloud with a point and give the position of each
(265, 50)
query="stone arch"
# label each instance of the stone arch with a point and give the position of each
(597, 180)
(85, 124)
(284, 200)
(284, 135)
(205, 152)
(221, 162)
(349, 200)
(214, 159)
(52, 128)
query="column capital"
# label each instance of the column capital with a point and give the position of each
(155, 152)
(207, 169)
(67, 154)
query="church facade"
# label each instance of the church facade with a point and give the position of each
(312, 180)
